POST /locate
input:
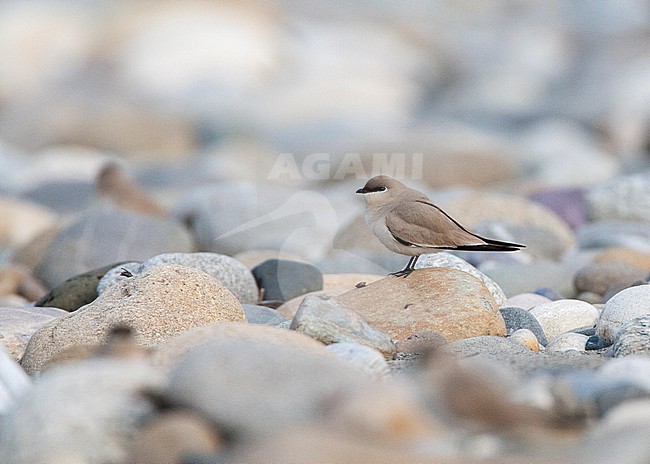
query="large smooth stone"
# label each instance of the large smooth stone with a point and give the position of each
(76, 291)
(623, 197)
(634, 337)
(88, 412)
(22, 221)
(615, 233)
(283, 279)
(622, 308)
(558, 317)
(100, 237)
(170, 352)
(163, 302)
(599, 278)
(518, 318)
(250, 387)
(448, 301)
(624, 255)
(330, 321)
(17, 325)
(230, 273)
(447, 260)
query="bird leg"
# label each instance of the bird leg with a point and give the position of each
(410, 267)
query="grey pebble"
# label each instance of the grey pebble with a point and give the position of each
(517, 318)
(284, 279)
(330, 321)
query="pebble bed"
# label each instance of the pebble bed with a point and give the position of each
(186, 276)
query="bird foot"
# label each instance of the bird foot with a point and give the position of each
(402, 273)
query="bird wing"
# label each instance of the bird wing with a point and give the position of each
(420, 223)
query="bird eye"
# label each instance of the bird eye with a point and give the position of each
(382, 189)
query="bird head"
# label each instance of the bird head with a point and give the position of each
(381, 189)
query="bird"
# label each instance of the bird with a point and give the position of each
(406, 222)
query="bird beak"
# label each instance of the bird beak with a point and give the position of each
(361, 191)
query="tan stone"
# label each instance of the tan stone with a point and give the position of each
(624, 255)
(159, 304)
(333, 285)
(341, 283)
(448, 301)
(18, 324)
(172, 435)
(173, 350)
(22, 221)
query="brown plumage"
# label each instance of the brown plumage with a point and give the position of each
(406, 222)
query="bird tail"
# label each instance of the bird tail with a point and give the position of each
(491, 245)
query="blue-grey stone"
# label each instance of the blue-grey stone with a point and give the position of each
(284, 279)
(517, 318)
(262, 315)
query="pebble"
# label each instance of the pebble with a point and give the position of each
(622, 197)
(623, 255)
(428, 299)
(156, 304)
(622, 308)
(558, 317)
(474, 208)
(420, 343)
(98, 237)
(117, 274)
(14, 382)
(516, 278)
(526, 338)
(541, 243)
(262, 315)
(549, 293)
(526, 301)
(282, 280)
(170, 352)
(251, 258)
(632, 369)
(600, 278)
(519, 319)
(614, 233)
(567, 202)
(95, 424)
(528, 147)
(585, 394)
(595, 342)
(519, 358)
(341, 283)
(171, 436)
(620, 435)
(17, 325)
(447, 260)
(633, 338)
(330, 321)
(223, 377)
(78, 290)
(362, 357)
(22, 221)
(18, 282)
(228, 271)
(569, 341)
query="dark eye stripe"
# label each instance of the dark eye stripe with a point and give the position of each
(381, 188)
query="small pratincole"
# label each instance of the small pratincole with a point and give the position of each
(406, 222)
